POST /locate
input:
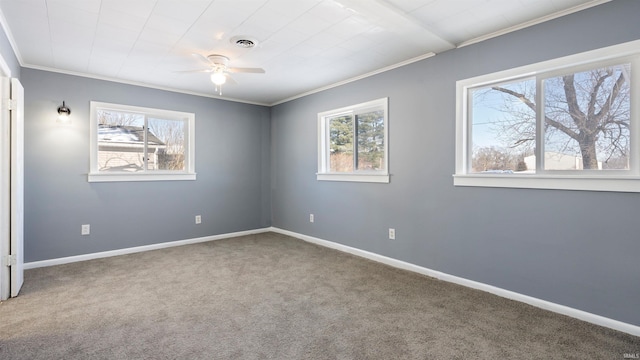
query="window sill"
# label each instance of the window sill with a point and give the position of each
(114, 177)
(368, 177)
(557, 182)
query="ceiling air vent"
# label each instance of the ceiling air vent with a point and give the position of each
(244, 42)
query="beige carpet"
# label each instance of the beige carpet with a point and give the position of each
(269, 296)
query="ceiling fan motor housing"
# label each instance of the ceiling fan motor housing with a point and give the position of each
(220, 60)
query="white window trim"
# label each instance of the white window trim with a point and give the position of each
(323, 174)
(590, 181)
(112, 176)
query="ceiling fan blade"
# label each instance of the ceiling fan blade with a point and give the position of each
(246, 70)
(195, 71)
(231, 80)
(202, 58)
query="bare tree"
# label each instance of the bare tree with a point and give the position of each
(171, 133)
(116, 118)
(492, 158)
(590, 110)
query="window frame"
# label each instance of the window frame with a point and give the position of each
(373, 176)
(590, 180)
(95, 175)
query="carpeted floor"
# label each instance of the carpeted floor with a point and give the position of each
(269, 296)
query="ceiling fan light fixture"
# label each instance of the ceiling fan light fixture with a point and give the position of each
(218, 78)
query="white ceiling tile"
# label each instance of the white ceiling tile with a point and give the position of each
(138, 8)
(268, 19)
(359, 43)
(232, 11)
(440, 10)
(76, 59)
(337, 53)
(252, 30)
(186, 11)
(304, 49)
(86, 5)
(63, 33)
(323, 41)
(158, 37)
(409, 5)
(284, 63)
(195, 43)
(330, 11)
(147, 50)
(114, 33)
(106, 59)
(68, 14)
(286, 9)
(27, 33)
(167, 25)
(36, 8)
(349, 28)
(308, 25)
(283, 40)
(113, 48)
(116, 18)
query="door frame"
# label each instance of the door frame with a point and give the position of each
(16, 247)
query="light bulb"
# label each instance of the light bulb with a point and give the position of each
(218, 78)
(63, 114)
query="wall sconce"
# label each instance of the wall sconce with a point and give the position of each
(63, 114)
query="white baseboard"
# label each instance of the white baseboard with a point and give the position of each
(71, 259)
(539, 303)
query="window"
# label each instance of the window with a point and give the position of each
(353, 143)
(130, 143)
(569, 123)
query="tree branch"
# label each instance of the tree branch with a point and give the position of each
(572, 101)
(611, 98)
(594, 94)
(532, 106)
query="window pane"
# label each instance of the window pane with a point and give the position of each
(370, 140)
(120, 141)
(341, 143)
(166, 144)
(587, 117)
(503, 128)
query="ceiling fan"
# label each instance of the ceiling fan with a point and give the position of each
(218, 66)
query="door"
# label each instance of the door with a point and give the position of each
(11, 186)
(17, 186)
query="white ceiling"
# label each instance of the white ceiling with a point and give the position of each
(304, 45)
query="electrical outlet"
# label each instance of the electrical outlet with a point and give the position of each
(86, 229)
(198, 219)
(392, 234)
(311, 218)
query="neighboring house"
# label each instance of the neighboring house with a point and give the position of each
(558, 161)
(121, 148)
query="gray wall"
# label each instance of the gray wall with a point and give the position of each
(8, 55)
(232, 162)
(575, 248)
